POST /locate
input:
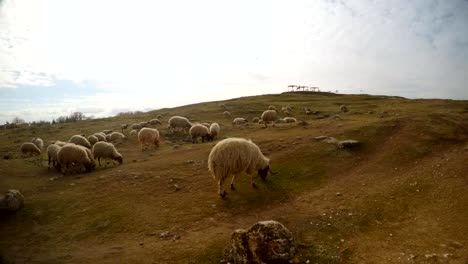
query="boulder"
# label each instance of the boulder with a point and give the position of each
(348, 144)
(12, 200)
(264, 242)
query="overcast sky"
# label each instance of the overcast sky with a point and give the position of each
(103, 57)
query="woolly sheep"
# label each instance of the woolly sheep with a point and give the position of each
(106, 150)
(155, 121)
(226, 114)
(107, 131)
(116, 136)
(133, 132)
(80, 140)
(108, 137)
(214, 130)
(232, 156)
(52, 155)
(287, 113)
(92, 139)
(148, 136)
(239, 121)
(223, 106)
(136, 127)
(30, 148)
(144, 124)
(199, 130)
(77, 155)
(255, 119)
(206, 124)
(38, 142)
(280, 121)
(290, 120)
(343, 108)
(179, 122)
(269, 116)
(271, 107)
(123, 127)
(59, 143)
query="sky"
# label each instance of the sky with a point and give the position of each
(109, 56)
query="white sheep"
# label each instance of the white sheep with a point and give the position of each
(290, 120)
(269, 116)
(52, 155)
(116, 136)
(280, 121)
(59, 143)
(199, 130)
(123, 127)
(76, 155)
(133, 132)
(30, 148)
(232, 156)
(255, 119)
(107, 131)
(136, 126)
(92, 139)
(223, 106)
(155, 121)
(100, 136)
(206, 124)
(148, 136)
(106, 150)
(108, 137)
(226, 114)
(214, 130)
(239, 121)
(179, 122)
(271, 107)
(80, 140)
(38, 142)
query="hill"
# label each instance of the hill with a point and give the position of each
(399, 198)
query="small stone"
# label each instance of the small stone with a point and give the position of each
(456, 244)
(320, 137)
(72, 184)
(176, 237)
(102, 177)
(135, 177)
(190, 161)
(141, 243)
(177, 187)
(164, 234)
(134, 160)
(339, 194)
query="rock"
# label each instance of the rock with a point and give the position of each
(348, 144)
(320, 137)
(7, 156)
(331, 140)
(176, 187)
(339, 194)
(164, 234)
(336, 117)
(456, 244)
(12, 200)
(264, 242)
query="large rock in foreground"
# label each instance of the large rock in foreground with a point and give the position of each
(12, 200)
(264, 242)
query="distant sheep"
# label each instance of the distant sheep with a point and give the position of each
(92, 139)
(136, 126)
(199, 130)
(100, 136)
(343, 108)
(144, 124)
(76, 155)
(107, 131)
(290, 120)
(52, 155)
(30, 148)
(223, 106)
(108, 137)
(232, 156)
(80, 140)
(123, 127)
(116, 136)
(287, 113)
(148, 136)
(59, 143)
(179, 122)
(106, 150)
(255, 119)
(214, 130)
(239, 121)
(206, 124)
(269, 116)
(271, 107)
(38, 142)
(155, 121)
(133, 132)
(280, 121)
(226, 114)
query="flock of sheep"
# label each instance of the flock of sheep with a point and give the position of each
(228, 157)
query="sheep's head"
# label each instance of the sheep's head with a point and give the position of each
(264, 172)
(119, 159)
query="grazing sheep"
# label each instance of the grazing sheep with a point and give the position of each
(148, 136)
(30, 148)
(199, 130)
(52, 155)
(100, 136)
(92, 139)
(106, 150)
(226, 114)
(80, 140)
(214, 130)
(107, 131)
(239, 121)
(255, 119)
(76, 155)
(290, 120)
(223, 106)
(133, 132)
(271, 107)
(38, 142)
(280, 121)
(108, 137)
(179, 122)
(123, 127)
(343, 108)
(159, 117)
(206, 124)
(136, 126)
(269, 116)
(232, 156)
(155, 121)
(59, 143)
(144, 124)
(116, 136)
(287, 113)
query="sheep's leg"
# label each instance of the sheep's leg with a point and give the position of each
(48, 164)
(232, 182)
(99, 161)
(252, 182)
(221, 190)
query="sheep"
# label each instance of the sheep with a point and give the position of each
(123, 127)
(136, 126)
(116, 136)
(108, 138)
(223, 106)
(38, 142)
(107, 131)
(100, 136)
(287, 113)
(159, 117)
(226, 114)
(214, 130)
(59, 143)
(206, 124)
(133, 132)
(144, 124)
(280, 121)
(232, 156)
(239, 121)
(290, 120)
(106, 150)
(179, 122)
(269, 116)
(92, 139)
(52, 155)
(199, 130)
(255, 119)
(271, 107)
(343, 108)
(30, 148)
(77, 155)
(80, 140)
(155, 121)
(148, 136)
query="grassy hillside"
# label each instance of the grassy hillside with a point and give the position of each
(398, 198)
